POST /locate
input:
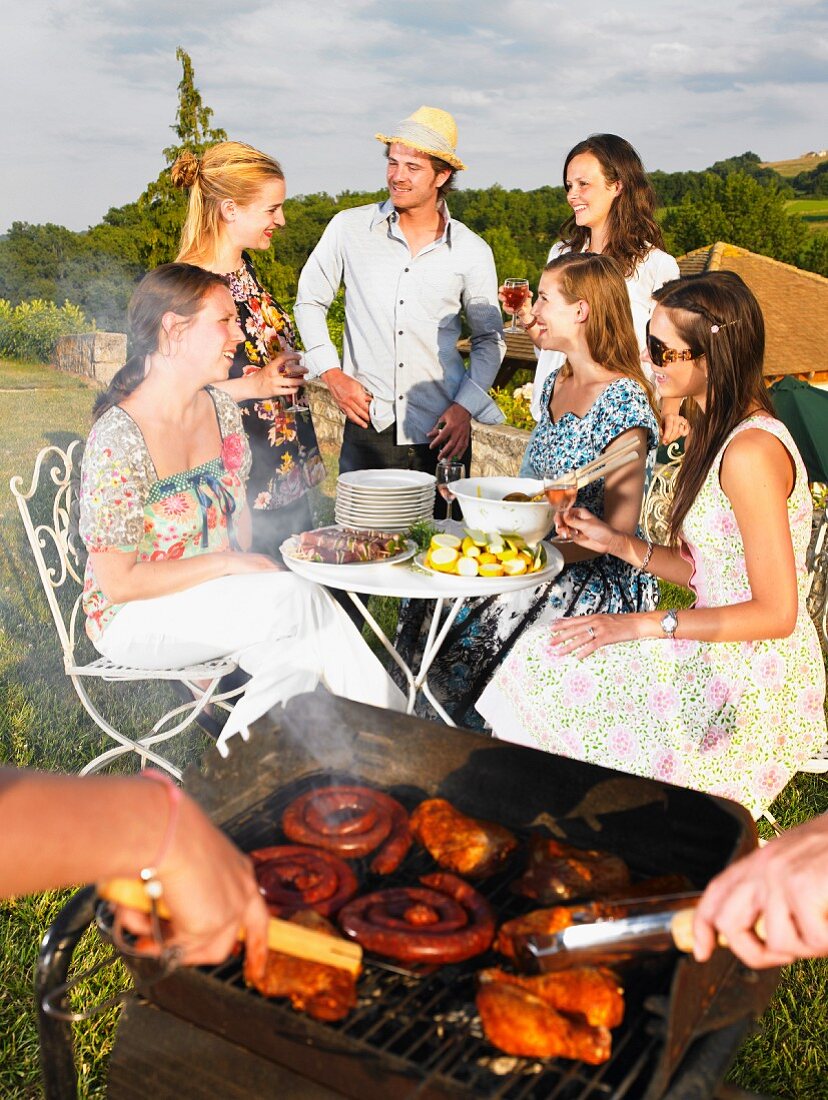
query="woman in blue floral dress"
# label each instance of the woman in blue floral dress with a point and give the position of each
(598, 398)
(236, 197)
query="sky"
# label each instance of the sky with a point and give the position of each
(89, 87)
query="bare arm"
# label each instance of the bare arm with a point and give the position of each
(118, 827)
(123, 578)
(757, 477)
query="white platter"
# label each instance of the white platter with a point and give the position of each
(551, 569)
(289, 547)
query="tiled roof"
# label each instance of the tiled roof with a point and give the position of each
(794, 304)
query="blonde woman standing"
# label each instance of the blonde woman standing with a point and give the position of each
(236, 203)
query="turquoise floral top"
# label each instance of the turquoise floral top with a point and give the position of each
(125, 506)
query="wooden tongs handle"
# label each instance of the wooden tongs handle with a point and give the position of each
(282, 935)
(681, 929)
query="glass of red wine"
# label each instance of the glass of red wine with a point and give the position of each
(448, 470)
(515, 293)
(561, 492)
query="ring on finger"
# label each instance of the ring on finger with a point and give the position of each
(591, 631)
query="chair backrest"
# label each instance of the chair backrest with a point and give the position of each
(655, 510)
(818, 573)
(56, 545)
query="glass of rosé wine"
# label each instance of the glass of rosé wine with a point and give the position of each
(561, 492)
(295, 370)
(515, 293)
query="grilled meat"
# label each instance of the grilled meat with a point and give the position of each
(589, 991)
(323, 992)
(462, 844)
(519, 1022)
(559, 871)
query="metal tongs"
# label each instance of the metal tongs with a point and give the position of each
(665, 925)
(643, 926)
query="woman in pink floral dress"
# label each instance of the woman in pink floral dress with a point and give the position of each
(163, 514)
(236, 198)
(728, 696)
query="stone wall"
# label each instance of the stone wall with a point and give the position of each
(95, 355)
(495, 450)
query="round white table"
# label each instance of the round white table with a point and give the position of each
(406, 579)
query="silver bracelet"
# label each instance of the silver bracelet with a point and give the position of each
(647, 556)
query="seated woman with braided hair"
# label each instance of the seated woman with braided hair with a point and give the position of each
(163, 515)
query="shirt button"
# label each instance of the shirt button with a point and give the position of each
(402, 364)
(400, 332)
(406, 270)
(401, 301)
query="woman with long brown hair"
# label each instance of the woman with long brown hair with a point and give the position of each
(600, 397)
(613, 214)
(727, 696)
(163, 515)
(236, 204)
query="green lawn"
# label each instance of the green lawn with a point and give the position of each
(812, 211)
(43, 725)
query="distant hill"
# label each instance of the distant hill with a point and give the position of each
(790, 168)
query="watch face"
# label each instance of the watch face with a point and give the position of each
(669, 623)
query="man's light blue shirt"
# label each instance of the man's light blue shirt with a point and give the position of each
(403, 318)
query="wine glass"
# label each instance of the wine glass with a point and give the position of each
(515, 293)
(294, 370)
(561, 492)
(448, 470)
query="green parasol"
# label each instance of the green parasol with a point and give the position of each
(803, 409)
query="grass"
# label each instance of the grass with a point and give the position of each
(812, 211)
(788, 168)
(43, 725)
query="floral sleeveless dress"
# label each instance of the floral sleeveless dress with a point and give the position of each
(286, 458)
(735, 719)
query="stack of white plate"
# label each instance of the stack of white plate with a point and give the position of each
(384, 500)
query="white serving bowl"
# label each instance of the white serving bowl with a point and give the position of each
(484, 509)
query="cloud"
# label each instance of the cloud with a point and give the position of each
(93, 86)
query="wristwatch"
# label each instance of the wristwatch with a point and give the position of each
(669, 623)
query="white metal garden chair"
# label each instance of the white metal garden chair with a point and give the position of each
(59, 556)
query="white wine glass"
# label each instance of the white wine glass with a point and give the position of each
(448, 470)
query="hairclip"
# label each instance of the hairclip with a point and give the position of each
(715, 328)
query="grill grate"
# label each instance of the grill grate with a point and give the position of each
(428, 1020)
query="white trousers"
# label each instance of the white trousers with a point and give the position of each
(286, 632)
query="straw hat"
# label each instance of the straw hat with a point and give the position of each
(429, 130)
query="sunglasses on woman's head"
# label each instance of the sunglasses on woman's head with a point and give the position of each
(659, 352)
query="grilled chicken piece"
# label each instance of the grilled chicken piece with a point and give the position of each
(521, 1023)
(559, 872)
(546, 922)
(540, 922)
(324, 992)
(465, 845)
(588, 991)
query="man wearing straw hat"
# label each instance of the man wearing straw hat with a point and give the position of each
(410, 274)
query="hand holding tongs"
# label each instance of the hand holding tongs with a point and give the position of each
(615, 939)
(282, 935)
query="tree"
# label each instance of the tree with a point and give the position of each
(164, 206)
(739, 210)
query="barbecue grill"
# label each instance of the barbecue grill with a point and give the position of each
(201, 1032)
